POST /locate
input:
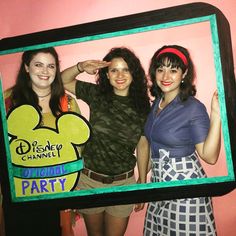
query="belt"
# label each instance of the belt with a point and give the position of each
(107, 179)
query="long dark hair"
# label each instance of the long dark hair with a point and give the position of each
(187, 88)
(138, 88)
(22, 92)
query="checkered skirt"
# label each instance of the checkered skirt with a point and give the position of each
(179, 217)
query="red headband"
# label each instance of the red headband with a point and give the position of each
(176, 52)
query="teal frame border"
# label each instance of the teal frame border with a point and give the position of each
(219, 77)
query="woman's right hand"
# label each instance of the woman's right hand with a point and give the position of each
(92, 66)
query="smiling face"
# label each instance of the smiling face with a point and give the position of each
(168, 79)
(42, 71)
(119, 76)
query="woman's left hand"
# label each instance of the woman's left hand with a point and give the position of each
(215, 107)
(92, 66)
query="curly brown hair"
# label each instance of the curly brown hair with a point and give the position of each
(138, 88)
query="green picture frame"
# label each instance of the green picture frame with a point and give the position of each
(122, 26)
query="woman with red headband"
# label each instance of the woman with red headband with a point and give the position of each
(179, 131)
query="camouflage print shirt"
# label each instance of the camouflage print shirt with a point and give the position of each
(116, 130)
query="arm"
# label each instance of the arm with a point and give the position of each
(89, 66)
(149, 163)
(210, 149)
(142, 158)
(142, 163)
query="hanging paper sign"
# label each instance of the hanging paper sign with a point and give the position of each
(45, 160)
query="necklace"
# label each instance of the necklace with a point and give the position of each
(159, 105)
(44, 95)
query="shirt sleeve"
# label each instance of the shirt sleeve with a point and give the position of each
(85, 91)
(200, 123)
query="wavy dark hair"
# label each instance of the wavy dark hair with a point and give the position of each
(22, 92)
(187, 88)
(138, 88)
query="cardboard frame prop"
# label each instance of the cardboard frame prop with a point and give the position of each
(132, 24)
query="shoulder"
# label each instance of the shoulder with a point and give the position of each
(81, 85)
(85, 90)
(195, 109)
(194, 104)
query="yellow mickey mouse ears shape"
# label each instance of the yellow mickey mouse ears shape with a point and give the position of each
(22, 119)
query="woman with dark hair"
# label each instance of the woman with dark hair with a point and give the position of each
(39, 84)
(119, 105)
(179, 131)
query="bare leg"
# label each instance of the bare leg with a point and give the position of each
(94, 224)
(115, 226)
(66, 224)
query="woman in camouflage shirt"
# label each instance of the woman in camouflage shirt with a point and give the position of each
(119, 105)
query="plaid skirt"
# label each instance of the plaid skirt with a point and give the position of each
(179, 217)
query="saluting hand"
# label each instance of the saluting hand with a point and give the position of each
(92, 66)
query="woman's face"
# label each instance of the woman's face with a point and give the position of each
(119, 76)
(42, 71)
(169, 79)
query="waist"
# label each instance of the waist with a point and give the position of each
(173, 153)
(107, 179)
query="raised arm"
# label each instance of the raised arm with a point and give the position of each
(210, 149)
(89, 66)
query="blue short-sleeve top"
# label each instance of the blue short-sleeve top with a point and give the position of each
(178, 127)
